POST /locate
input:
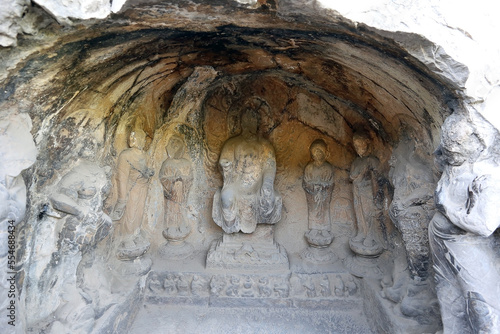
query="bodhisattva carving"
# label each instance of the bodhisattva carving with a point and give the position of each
(318, 185)
(247, 205)
(368, 204)
(462, 234)
(176, 177)
(247, 197)
(411, 210)
(79, 199)
(132, 177)
(364, 176)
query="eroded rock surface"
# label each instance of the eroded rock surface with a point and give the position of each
(187, 72)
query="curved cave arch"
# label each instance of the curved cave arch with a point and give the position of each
(94, 87)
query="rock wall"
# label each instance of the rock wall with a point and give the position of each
(190, 71)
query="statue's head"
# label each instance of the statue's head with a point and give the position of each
(137, 139)
(362, 143)
(318, 150)
(459, 141)
(250, 120)
(175, 147)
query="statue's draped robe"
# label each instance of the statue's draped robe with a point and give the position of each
(133, 181)
(318, 184)
(247, 197)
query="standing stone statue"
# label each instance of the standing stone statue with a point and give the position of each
(462, 234)
(364, 176)
(132, 176)
(368, 205)
(318, 185)
(247, 200)
(411, 210)
(176, 177)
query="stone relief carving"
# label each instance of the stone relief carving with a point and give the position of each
(411, 209)
(176, 177)
(368, 204)
(132, 176)
(248, 166)
(364, 177)
(318, 184)
(247, 205)
(245, 286)
(78, 198)
(462, 234)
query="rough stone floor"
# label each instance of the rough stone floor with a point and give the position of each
(173, 319)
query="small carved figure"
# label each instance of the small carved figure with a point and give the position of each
(247, 287)
(282, 288)
(155, 285)
(324, 285)
(461, 234)
(248, 165)
(132, 176)
(198, 285)
(367, 197)
(351, 288)
(310, 287)
(183, 284)
(339, 286)
(176, 177)
(234, 287)
(297, 289)
(264, 288)
(170, 285)
(217, 284)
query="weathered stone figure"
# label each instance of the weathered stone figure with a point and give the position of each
(176, 177)
(364, 176)
(248, 166)
(247, 205)
(463, 243)
(132, 176)
(412, 205)
(79, 198)
(81, 193)
(411, 210)
(318, 185)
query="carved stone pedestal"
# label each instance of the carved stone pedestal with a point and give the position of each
(318, 250)
(176, 247)
(364, 262)
(130, 255)
(132, 247)
(257, 250)
(362, 266)
(138, 266)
